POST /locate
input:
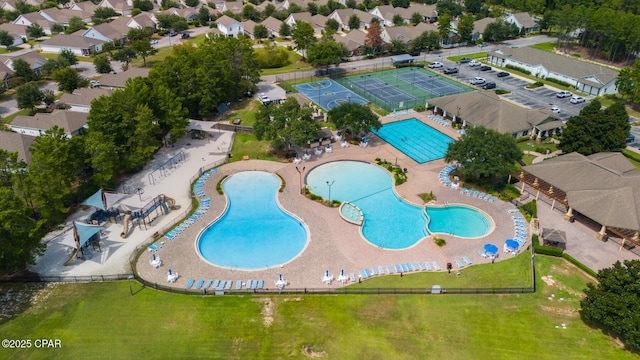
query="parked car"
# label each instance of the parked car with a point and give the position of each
(264, 99)
(482, 45)
(415, 53)
(153, 41)
(555, 109)
(577, 99)
(473, 63)
(94, 83)
(485, 68)
(185, 35)
(630, 139)
(564, 94)
(436, 65)
(465, 60)
(489, 85)
(477, 80)
(451, 70)
(502, 74)
(172, 33)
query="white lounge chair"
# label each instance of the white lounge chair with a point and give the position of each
(328, 148)
(173, 277)
(344, 144)
(156, 263)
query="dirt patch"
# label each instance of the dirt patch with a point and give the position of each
(308, 351)
(569, 312)
(268, 310)
(551, 282)
(19, 297)
(292, 299)
(586, 54)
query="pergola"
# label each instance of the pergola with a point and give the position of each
(604, 187)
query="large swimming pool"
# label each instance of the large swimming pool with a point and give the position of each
(254, 232)
(415, 139)
(389, 221)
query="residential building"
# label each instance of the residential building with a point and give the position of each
(73, 123)
(119, 80)
(229, 26)
(248, 26)
(78, 44)
(15, 142)
(523, 21)
(34, 60)
(479, 27)
(62, 16)
(342, 16)
(80, 100)
(273, 25)
(317, 22)
(34, 18)
(123, 7)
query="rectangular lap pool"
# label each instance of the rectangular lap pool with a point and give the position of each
(417, 140)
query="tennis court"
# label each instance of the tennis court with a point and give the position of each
(329, 94)
(401, 88)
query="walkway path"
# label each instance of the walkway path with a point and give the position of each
(541, 157)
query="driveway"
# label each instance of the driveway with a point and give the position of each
(10, 105)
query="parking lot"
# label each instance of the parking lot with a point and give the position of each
(539, 98)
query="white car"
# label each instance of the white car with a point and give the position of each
(435, 65)
(477, 80)
(94, 83)
(564, 94)
(577, 99)
(555, 109)
(473, 63)
(264, 99)
(153, 41)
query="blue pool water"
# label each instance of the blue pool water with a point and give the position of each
(254, 232)
(389, 221)
(415, 139)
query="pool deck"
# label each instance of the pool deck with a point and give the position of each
(334, 243)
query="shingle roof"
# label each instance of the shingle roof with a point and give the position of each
(559, 64)
(83, 96)
(345, 15)
(226, 21)
(72, 41)
(604, 187)
(525, 20)
(70, 121)
(487, 109)
(19, 143)
(480, 25)
(119, 80)
(272, 23)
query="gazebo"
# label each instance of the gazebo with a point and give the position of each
(554, 237)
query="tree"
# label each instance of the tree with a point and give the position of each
(285, 30)
(28, 96)
(69, 56)
(312, 8)
(397, 47)
(484, 153)
(192, 3)
(628, 82)
(57, 28)
(104, 13)
(453, 9)
(143, 49)
(444, 27)
(595, 130)
(19, 234)
(168, 4)
(269, 10)
(354, 22)
(327, 52)
(249, 12)
(53, 64)
(260, 32)
(35, 31)
(273, 56)
(473, 6)
(373, 38)
(614, 302)
(351, 4)
(75, 23)
(136, 34)
(285, 124)
(102, 64)
(303, 36)
(48, 96)
(400, 3)
(6, 39)
(398, 20)
(426, 41)
(144, 5)
(465, 28)
(354, 117)
(204, 16)
(22, 69)
(126, 55)
(68, 79)
(416, 18)
(331, 26)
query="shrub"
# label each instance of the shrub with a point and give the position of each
(536, 84)
(502, 92)
(283, 184)
(419, 108)
(523, 139)
(398, 174)
(531, 208)
(439, 241)
(522, 70)
(560, 82)
(545, 250)
(427, 197)
(219, 185)
(510, 192)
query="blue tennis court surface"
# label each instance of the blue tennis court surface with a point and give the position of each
(417, 140)
(329, 94)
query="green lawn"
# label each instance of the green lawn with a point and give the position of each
(295, 64)
(247, 144)
(102, 320)
(547, 46)
(480, 55)
(540, 147)
(245, 110)
(528, 159)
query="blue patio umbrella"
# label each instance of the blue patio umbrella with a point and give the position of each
(154, 257)
(512, 244)
(170, 273)
(280, 277)
(342, 272)
(490, 248)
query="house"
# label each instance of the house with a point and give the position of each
(63, 16)
(485, 108)
(342, 16)
(592, 79)
(523, 21)
(123, 7)
(80, 100)
(18, 32)
(603, 187)
(233, 6)
(317, 22)
(34, 60)
(119, 80)
(8, 5)
(34, 18)
(19, 143)
(406, 34)
(248, 26)
(5, 75)
(188, 14)
(428, 12)
(78, 44)
(115, 31)
(273, 25)
(229, 26)
(86, 6)
(142, 21)
(73, 123)
(479, 27)
(386, 13)
(354, 41)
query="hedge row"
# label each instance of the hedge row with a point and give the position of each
(631, 155)
(560, 82)
(557, 252)
(580, 265)
(522, 70)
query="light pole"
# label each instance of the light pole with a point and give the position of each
(300, 175)
(329, 184)
(129, 280)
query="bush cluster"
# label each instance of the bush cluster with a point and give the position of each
(398, 173)
(522, 70)
(560, 82)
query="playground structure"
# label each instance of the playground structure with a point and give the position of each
(79, 237)
(161, 171)
(159, 205)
